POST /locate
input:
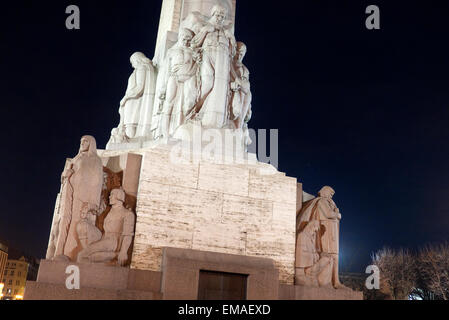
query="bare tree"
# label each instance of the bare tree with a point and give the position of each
(433, 266)
(398, 274)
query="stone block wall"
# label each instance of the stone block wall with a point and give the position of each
(224, 208)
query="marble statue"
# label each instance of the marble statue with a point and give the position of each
(118, 235)
(218, 46)
(241, 88)
(241, 98)
(82, 183)
(136, 99)
(179, 91)
(317, 245)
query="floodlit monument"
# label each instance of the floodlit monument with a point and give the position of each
(176, 202)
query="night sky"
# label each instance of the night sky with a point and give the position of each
(366, 112)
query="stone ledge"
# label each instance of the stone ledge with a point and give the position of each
(98, 276)
(219, 259)
(289, 292)
(49, 292)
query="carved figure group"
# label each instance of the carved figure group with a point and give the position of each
(118, 236)
(202, 79)
(76, 236)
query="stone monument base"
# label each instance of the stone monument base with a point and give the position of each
(180, 279)
(52, 292)
(288, 292)
(97, 282)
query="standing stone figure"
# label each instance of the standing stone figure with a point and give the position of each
(241, 88)
(324, 211)
(137, 97)
(312, 269)
(82, 183)
(117, 239)
(179, 92)
(218, 46)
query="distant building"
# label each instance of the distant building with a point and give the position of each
(14, 279)
(3, 258)
(20, 268)
(3, 262)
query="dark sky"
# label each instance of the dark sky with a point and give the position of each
(366, 112)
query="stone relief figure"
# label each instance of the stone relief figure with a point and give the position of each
(241, 89)
(118, 135)
(179, 93)
(240, 109)
(87, 230)
(324, 211)
(218, 46)
(137, 97)
(119, 227)
(82, 183)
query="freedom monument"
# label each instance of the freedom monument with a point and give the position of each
(163, 212)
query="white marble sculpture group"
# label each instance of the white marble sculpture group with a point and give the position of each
(201, 81)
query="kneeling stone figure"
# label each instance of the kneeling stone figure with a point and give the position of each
(119, 232)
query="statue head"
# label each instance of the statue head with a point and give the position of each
(117, 196)
(138, 59)
(326, 192)
(185, 36)
(218, 14)
(88, 145)
(241, 51)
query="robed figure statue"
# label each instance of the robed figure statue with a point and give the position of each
(82, 183)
